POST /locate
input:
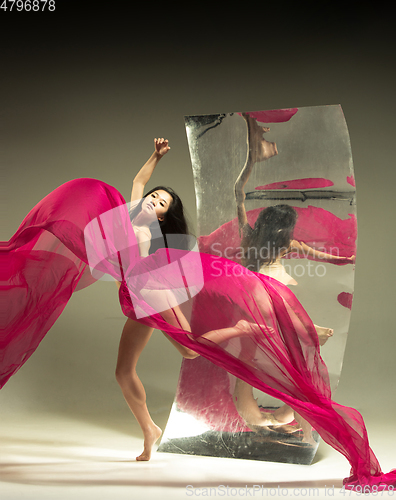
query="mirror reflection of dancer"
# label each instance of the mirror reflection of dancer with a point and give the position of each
(273, 233)
(163, 205)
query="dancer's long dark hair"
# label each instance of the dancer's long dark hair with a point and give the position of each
(174, 222)
(270, 237)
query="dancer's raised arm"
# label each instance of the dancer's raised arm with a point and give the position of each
(143, 176)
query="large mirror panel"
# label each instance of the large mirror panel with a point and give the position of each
(275, 192)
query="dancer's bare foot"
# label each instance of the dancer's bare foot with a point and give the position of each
(323, 334)
(150, 437)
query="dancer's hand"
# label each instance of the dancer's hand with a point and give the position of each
(161, 146)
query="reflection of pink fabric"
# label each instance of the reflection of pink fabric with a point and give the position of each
(309, 183)
(46, 260)
(204, 392)
(208, 399)
(345, 299)
(351, 180)
(316, 227)
(273, 116)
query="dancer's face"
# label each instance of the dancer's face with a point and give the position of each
(157, 203)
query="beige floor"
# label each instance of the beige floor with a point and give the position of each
(53, 457)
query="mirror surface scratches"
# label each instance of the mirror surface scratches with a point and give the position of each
(288, 163)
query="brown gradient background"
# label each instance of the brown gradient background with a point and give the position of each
(83, 94)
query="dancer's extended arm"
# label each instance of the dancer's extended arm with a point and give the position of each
(301, 248)
(143, 176)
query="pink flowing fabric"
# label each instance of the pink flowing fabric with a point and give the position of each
(49, 258)
(208, 399)
(308, 183)
(345, 299)
(274, 115)
(351, 180)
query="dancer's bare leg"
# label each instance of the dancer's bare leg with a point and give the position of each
(284, 414)
(184, 351)
(306, 428)
(133, 340)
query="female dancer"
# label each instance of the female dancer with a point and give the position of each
(160, 205)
